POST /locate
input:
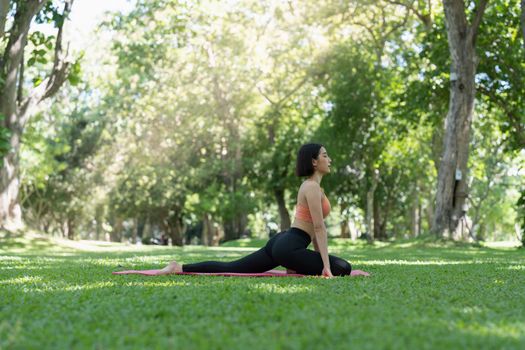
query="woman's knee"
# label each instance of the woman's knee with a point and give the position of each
(340, 267)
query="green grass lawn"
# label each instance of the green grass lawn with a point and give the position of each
(422, 295)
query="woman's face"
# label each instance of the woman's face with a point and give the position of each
(322, 163)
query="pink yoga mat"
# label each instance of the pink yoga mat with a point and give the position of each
(271, 273)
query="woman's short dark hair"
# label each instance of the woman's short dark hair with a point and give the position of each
(306, 153)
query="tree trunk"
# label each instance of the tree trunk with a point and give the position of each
(176, 235)
(283, 212)
(415, 217)
(17, 110)
(235, 227)
(134, 230)
(429, 209)
(369, 213)
(208, 230)
(230, 231)
(420, 209)
(380, 222)
(384, 221)
(70, 228)
(98, 221)
(205, 229)
(345, 228)
(370, 207)
(116, 232)
(452, 188)
(173, 227)
(377, 221)
(10, 211)
(218, 234)
(4, 9)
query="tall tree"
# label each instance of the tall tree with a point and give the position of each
(452, 186)
(15, 108)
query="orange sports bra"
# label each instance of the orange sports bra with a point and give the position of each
(303, 213)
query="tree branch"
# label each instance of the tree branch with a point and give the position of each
(377, 43)
(265, 96)
(13, 56)
(20, 93)
(285, 97)
(426, 19)
(473, 30)
(380, 39)
(4, 9)
(56, 78)
(60, 64)
(399, 25)
(291, 92)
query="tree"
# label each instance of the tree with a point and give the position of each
(361, 84)
(57, 173)
(16, 107)
(452, 186)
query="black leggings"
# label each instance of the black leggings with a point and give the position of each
(287, 248)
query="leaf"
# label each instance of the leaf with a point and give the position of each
(37, 81)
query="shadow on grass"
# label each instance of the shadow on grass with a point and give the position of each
(19, 240)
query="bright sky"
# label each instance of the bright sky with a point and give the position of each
(85, 15)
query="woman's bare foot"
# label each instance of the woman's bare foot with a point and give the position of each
(173, 267)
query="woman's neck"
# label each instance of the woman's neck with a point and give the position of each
(316, 177)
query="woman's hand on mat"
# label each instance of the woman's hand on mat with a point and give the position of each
(327, 273)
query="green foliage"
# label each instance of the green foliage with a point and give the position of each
(50, 13)
(57, 164)
(501, 72)
(42, 46)
(370, 131)
(196, 108)
(75, 73)
(493, 188)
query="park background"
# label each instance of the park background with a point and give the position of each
(128, 124)
(184, 119)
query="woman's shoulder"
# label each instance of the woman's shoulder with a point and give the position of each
(308, 186)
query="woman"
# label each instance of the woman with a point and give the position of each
(288, 248)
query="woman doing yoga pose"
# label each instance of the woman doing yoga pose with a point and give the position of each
(289, 248)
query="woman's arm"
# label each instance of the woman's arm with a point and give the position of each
(322, 246)
(314, 197)
(316, 246)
